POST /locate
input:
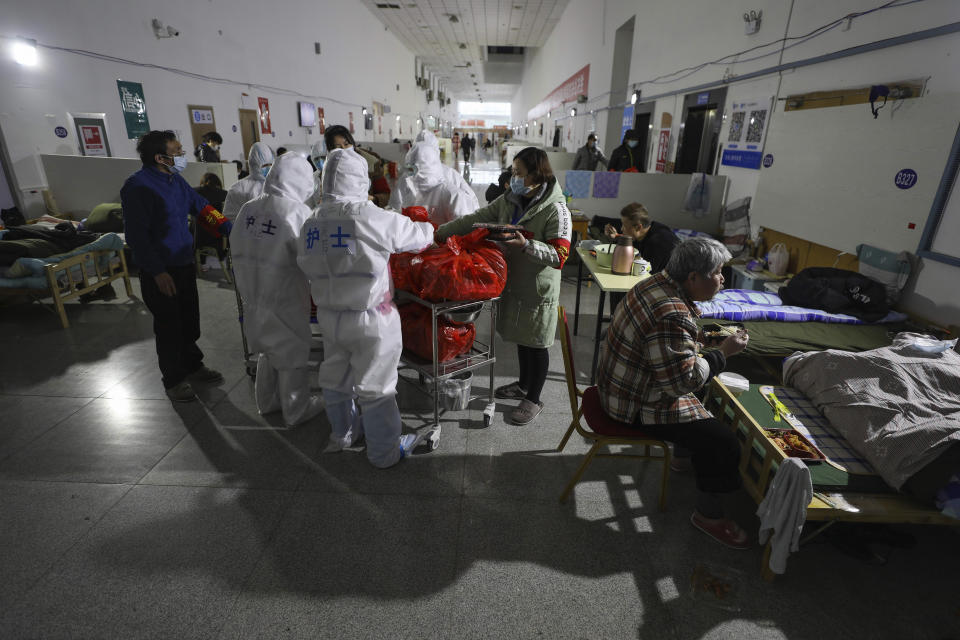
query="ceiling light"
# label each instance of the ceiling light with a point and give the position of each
(24, 51)
(398, 117)
(573, 112)
(363, 110)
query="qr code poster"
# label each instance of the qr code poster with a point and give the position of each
(758, 122)
(736, 126)
(748, 124)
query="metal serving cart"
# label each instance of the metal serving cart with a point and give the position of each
(433, 373)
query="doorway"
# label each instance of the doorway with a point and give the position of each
(642, 117)
(700, 131)
(557, 136)
(249, 130)
(619, 79)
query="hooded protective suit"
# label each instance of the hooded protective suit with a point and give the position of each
(275, 292)
(453, 179)
(344, 249)
(318, 153)
(425, 183)
(252, 186)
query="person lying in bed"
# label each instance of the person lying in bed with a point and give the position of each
(650, 366)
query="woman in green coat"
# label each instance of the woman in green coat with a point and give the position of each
(528, 308)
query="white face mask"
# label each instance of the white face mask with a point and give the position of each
(179, 163)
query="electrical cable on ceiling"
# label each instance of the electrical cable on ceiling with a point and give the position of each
(669, 77)
(189, 74)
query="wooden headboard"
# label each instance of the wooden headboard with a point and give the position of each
(804, 253)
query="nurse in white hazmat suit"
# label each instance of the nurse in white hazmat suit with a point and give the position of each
(344, 250)
(452, 176)
(259, 160)
(425, 183)
(275, 292)
(318, 154)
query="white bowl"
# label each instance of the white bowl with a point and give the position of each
(605, 255)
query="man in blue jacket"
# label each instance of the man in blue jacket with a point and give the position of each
(156, 204)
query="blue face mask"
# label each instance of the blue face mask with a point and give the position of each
(632, 143)
(517, 186)
(318, 163)
(179, 163)
(411, 169)
(265, 170)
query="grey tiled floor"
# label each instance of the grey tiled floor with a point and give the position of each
(122, 516)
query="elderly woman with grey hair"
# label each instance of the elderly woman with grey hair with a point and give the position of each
(651, 365)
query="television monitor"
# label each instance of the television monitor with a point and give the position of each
(308, 114)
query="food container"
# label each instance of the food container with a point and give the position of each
(605, 255)
(464, 315)
(735, 382)
(795, 445)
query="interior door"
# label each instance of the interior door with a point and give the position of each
(249, 130)
(688, 156)
(641, 124)
(201, 122)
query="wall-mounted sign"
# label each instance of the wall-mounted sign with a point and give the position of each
(768, 160)
(263, 106)
(201, 116)
(322, 122)
(351, 121)
(905, 178)
(703, 98)
(92, 140)
(380, 125)
(574, 86)
(134, 108)
(666, 121)
(60, 132)
(747, 133)
(627, 122)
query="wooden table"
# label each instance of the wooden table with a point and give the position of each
(580, 224)
(608, 282)
(760, 457)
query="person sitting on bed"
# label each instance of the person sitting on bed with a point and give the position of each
(650, 366)
(653, 241)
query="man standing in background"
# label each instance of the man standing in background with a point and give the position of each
(589, 155)
(156, 204)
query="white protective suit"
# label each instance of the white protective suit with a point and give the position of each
(318, 153)
(452, 176)
(275, 292)
(344, 249)
(431, 187)
(252, 186)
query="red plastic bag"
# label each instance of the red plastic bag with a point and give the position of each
(415, 325)
(417, 214)
(464, 268)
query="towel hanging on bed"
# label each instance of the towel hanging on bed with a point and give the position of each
(783, 511)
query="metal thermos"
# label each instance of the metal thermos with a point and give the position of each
(622, 263)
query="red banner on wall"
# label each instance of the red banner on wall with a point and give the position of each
(321, 121)
(351, 121)
(263, 105)
(575, 86)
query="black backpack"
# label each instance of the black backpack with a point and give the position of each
(837, 291)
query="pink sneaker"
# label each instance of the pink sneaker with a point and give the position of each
(723, 530)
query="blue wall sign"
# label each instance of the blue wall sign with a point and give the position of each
(739, 158)
(905, 178)
(60, 132)
(627, 122)
(703, 98)
(768, 160)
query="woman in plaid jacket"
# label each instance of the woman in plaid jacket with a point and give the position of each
(651, 365)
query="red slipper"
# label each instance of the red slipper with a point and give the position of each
(723, 530)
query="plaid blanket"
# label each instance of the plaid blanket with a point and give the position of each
(808, 421)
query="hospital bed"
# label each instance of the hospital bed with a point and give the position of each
(67, 276)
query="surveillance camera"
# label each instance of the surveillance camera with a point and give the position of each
(172, 32)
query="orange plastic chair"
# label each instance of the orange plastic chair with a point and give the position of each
(601, 428)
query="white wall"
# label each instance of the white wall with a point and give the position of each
(670, 35)
(246, 40)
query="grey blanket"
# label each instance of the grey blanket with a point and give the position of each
(897, 406)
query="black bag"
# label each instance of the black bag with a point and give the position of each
(837, 291)
(12, 217)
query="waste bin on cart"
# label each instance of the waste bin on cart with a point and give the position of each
(453, 373)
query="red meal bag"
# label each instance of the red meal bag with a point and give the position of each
(453, 339)
(464, 268)
(417, 214)
(400, 262)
